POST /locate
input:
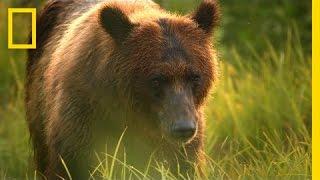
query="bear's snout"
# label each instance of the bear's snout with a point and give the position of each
(183, 129)
(178, 116)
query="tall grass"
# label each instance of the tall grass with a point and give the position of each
(260, 118)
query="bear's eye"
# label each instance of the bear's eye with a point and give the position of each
(157, 81)
(194, 78)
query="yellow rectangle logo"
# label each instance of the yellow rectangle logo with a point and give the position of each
(11, 11)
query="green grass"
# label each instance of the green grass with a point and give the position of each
(258, 120)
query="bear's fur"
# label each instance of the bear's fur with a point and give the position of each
(89, 81)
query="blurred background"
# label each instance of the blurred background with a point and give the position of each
(259, 117)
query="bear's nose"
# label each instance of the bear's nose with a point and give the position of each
(183, 129)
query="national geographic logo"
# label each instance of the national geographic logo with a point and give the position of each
(26, 11)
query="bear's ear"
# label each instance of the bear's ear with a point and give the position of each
(207, 15)
(116, 23)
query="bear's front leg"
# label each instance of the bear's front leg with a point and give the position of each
(69, 138)
(65, 166)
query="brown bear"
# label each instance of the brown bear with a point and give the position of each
(113, 67)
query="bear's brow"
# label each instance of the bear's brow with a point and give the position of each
(173, 48)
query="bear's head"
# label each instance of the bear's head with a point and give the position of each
(168, 64)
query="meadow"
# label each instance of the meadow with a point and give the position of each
(259, 115)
